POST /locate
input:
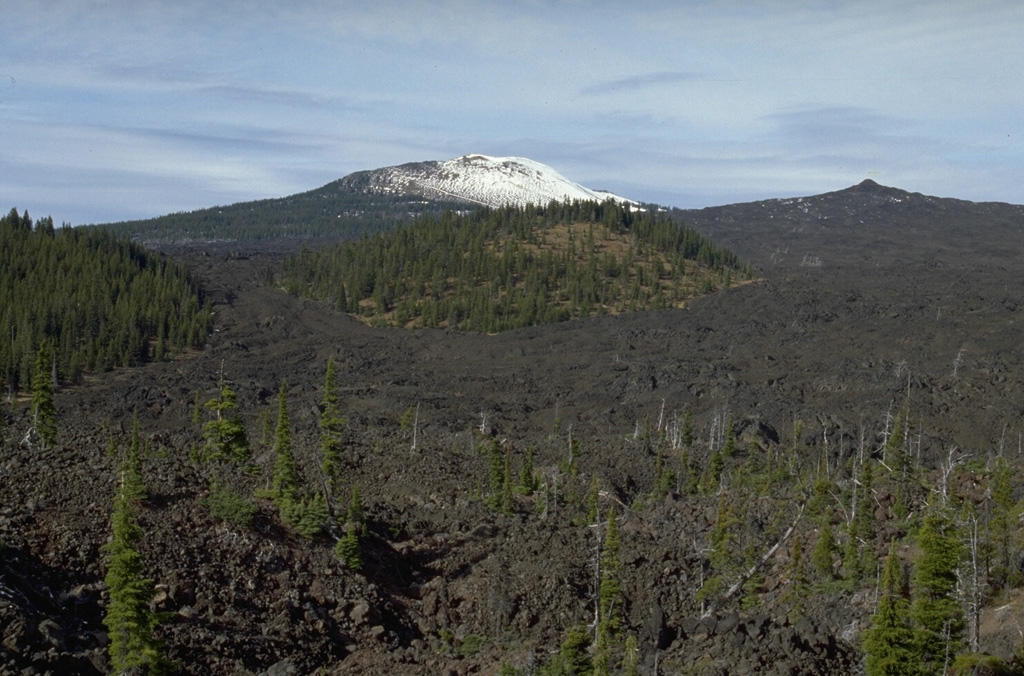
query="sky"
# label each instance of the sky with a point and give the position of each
(122, 109)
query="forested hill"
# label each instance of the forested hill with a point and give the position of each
(341, 208)
(497, 269)
(91, 299)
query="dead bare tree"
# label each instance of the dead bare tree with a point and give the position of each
(752, 571)
(969, 581)
(415, 426)
(954, 459)
(889, 419)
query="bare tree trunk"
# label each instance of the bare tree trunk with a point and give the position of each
(415, 426)
(753, 569)
(969, 583)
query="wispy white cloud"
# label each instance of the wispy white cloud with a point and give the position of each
(641, 81)
(108, 110)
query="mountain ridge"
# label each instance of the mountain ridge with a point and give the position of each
(376, 200)
(866, 222)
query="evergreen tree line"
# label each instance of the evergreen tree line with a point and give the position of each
(498, 269)
(331, 211)
(99, 301)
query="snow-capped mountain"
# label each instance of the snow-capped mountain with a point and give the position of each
(479, 179)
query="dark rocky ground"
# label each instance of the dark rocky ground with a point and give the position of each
(881, 294)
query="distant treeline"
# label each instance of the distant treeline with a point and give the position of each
(99, 300)
(498, 269)
(338, 209)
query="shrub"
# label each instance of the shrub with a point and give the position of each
(230, 506)
(471, 645)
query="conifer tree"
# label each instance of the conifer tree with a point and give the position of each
(938, 618)
(129, 621)
(44, 410)
(1005, 513)
(331, 425)
(691, 482)
(592, 496)
(716, 465)
(286, 479)
(347, 548)
(308, 515)
(824, 550)
(687, 429)
(573, 658)
(796, 594)
(859, 557)
(609, 597)
(355, 509)
(225, 435)
(889, 645)
(729, 449)
(197, 409)
(527, 479)
(630, 657)
(495, 475)
(611, 589)
(133, 487)
(724, 545)
(506, 484)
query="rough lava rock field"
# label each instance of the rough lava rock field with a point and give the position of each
(867, 295)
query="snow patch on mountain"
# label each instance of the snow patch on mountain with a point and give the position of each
(491, 181)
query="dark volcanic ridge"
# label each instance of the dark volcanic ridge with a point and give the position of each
(866, 224)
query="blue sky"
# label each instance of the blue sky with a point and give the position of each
(119, 110)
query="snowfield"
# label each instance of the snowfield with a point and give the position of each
(492, 181)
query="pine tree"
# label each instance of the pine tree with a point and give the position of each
(592, 496)
(347, 548)
(286, 479)
(573, 658)
(355, 509)
(797, 592)
(197, 409)
(1005, 514)
(43, 408)
(889, 645)
(609, 597)
(716, 465)
(129, 621)
(824, 551)
(938, 618)
(133, 488)
(331, 425)
(495, 475)
(527, 479)
(225, 435)
(729, 449)
(630, 657)
(691, 482)
(506, 484)
(859, 556)
(308, 515)
(724, 546)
